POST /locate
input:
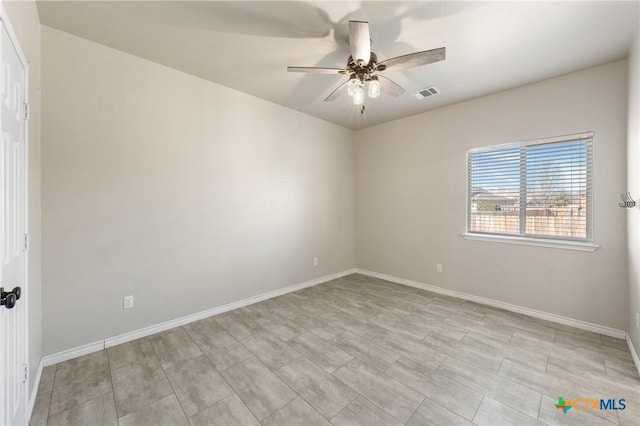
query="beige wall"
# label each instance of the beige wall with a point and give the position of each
(24, 19)
(411, 183)
(181, 192)
(633, 185)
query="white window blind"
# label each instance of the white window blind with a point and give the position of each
(539, 189)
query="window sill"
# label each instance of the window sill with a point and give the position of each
(539, 242)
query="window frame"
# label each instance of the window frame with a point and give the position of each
(581, 244)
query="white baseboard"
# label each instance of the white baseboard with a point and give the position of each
(73, 353)
(147, 331)
(634, 354)
(34, 391)
(583, 325)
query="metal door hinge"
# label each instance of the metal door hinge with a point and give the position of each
(26, 373)
(26, 242)
(27, 111)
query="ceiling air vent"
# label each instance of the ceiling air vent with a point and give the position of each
(425, 93)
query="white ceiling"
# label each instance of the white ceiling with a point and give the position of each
(491, 46)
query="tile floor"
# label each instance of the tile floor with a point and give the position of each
(356, 350)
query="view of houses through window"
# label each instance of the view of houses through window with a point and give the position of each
(538, 189)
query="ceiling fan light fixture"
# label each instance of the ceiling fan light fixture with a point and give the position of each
(363, 67)
(374, 87)
(358, 96)
(353, 84)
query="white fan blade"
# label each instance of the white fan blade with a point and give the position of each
(360, 42)
(389, 87)
(340, 90)
(413, 60)
(317, 70)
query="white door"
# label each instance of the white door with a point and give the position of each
(13, 349)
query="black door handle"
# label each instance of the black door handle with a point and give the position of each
(9, 298)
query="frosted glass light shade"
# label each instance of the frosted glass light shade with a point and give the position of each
(374, 88)
(358, 96)
(353, 84)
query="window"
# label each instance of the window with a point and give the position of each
(538, 190)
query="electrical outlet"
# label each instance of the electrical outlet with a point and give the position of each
(315, 261)
(128, 302)
(439, 267)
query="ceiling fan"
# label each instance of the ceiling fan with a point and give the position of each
(363, 67)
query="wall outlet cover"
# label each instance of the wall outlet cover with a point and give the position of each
(127, 302)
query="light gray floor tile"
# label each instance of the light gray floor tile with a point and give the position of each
(273, 352)
(631, 415)
(461, 350)
(432, 413)
(365, 350)
(136, 374)
(259, 388)
(448, 393)
(627, 367)
(174, 347)
(222, 349)
(499, 348)
(240, 326)
(197, 384)
(138, 384)
(551, 384)
(362, 412)
(229, 411)
(432, 310)
(534, 344)
(296, 412)
(84, 379)
(492, 412)
(284, 308)
(231, 355)
(165, 412)
(82, 360)
(257, 310)
(591, 376)
(41, 409)
(622, 371)
(575, 337)
(319, 327)
(514, 395)
(279, 326)
(99, 411)
(448, 331)
(46, 379)
(550, 324)
(583, 367)
(129, 400)
(416, 330)
(125, 353)
(416, 351)
(322, 390)
(320, 351)
(613, 342)
(387, 319)
(394, 397)
(538, 331)
(357, 325)
(207, 327)
(542, 382)
(494, 331)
